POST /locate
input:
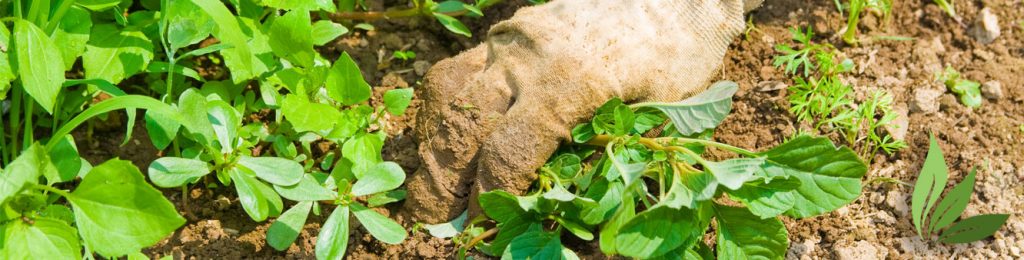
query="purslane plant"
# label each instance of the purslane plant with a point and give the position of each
(648, 197)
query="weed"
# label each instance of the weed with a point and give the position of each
(856, 8)
(968, 91)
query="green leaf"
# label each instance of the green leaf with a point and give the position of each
(829, 176)
(363, 151)
(98, 5)
(500, 206)
(345, 83)
(279, 171)
(160, 67)
(608, 196)
(67, 160)
(576, 229)
(309, 117)
(954, 204)
(225, 121)
(742, 235)
(193, 111)
(239, 58)
(657, 231)
(397, 100)
(73, 34)
(453, 25)
(701, 112)
(930, 183)
(6, 69)
(974, 228)
(733, 173)
(325, 31)
(448, 229)
(766, 201)
(118, 213)
(44, 239)
(162, 128)
(286, 228)
(610, 230)
(507, 231)
(259, 200)
(382, 177)
(114, 54)
(39, 64)
(969, 92)
(170, 172)
(308, 189)
(537, 244)
(312, 5)
(381, 199)
(25, 170)
(333, 238)
(689, 189)
(382, 228)
(291, 38)
(187, 24)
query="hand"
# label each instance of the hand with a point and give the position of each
(494, 114)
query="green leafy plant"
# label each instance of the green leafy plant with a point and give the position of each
(404, 55)
(647, 197)
(856, 8)
(948, 7)
(968, 91)
(445, 12)
(938, 219)
(822, 99)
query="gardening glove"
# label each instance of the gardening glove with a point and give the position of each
(492, 115)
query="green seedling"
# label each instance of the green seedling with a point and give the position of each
(948, 7)
(404, 55)
(648, 197)
(857, 8)
(938, 219)
(968, 91)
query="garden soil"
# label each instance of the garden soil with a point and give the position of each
(875, 226)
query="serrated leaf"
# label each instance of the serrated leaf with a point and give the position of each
(169, 172)
(930, 183)
(742, 235)
(829, 176)
(974, 228)
(345, 83)
(657, 231)
(953, 204)
(118, 213)
(701, 112)
(332, 241)
(286, 228)
(382, 228)
(38, 63)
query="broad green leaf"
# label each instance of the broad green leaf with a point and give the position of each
(254, 196)
(67, 160)
(507, 231)
(291, 38)
(187, 24)
(381, 199)
(306, 116)
(308, 189)
(225, 121)
(953, 204)
(118, 213)
(170, 172)
(193, 111)
(657, 231)
(969, 92)
(689, 189)
(765, 201)
(286, 228)
(312, 5)
(44, 239)
(114, 54)
(38, 62)
(608, 196)
(345, 83)
(363, 151)
(610, 229)
(829, 176)
(382, 177)
(162, 128)
(701, 112)
(6, 69)
(537, 244)
(239, 58)
(382, 228)
(974, 228)
(325, 31)
(25, 170)
(630, 172)
(500, 206)
(73, 34)
(275, 170)
(397, 100)
(448, 229)
(333, 238)
(930, 183)
(98, 5)
(742, 235)
(453, 25)
(58, 212)
(733, 173)
(576, 229)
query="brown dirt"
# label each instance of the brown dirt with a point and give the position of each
(877, 225)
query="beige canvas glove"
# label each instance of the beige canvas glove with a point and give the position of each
(494, 114)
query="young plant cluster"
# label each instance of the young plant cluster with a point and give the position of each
(857, 8)
(647, 195)
(66, 62)
(968, 91)
(938, 219)
(820, 98)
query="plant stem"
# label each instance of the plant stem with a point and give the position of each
(28, 137)
(481, 237)
(657, 144)
(50, 189)
(15, 113)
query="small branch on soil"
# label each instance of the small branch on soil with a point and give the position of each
(481, 237)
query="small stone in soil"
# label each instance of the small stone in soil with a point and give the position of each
(421, 67)
(925, 101)
(766, 86)
(986, 27)
(221, 203)
(992, 90)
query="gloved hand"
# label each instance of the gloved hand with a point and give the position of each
(494, 114)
